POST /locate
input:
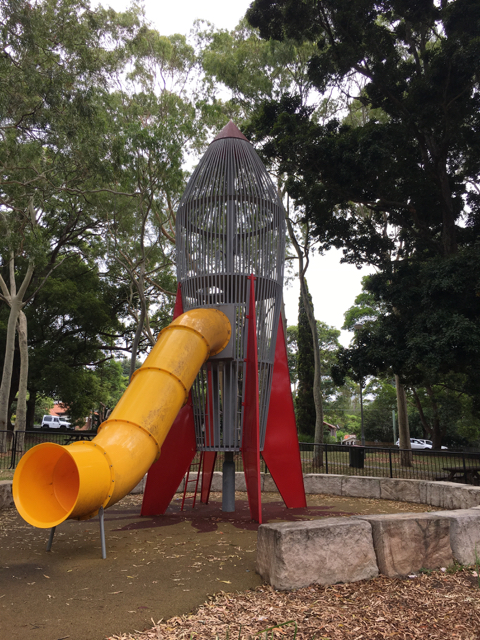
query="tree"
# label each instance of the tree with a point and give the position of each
(398, 191)
(57, 59)
(77, 324)
(367, 310)
(254, 70)
(304, 402)
(161, 117)
(378, 410)
(411, 173)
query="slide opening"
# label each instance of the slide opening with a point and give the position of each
(46, 485)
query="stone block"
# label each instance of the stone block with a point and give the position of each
(361, 487)
(400, 489)
(6, 498)
(407, 542)
(323, 483)
(269, 484)
(291, 555)
(240, 481)
(464, 533)
(217, 481)
(450, 495)
(140, 487)
(460, 496)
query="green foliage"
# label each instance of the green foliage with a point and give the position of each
(409, 171)
(398, 187)
(73, 326)
(292, 353)
(377, 412)
(43, 405)
(304, 403)
(99, 112)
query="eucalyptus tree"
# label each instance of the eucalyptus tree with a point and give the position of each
(253, 70)
(163, 118)
(399, 192)
(56, 65)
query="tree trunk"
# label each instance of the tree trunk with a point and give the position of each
(14, 301)
(436, 430)
(317, 378)
(21, 417)
(403, 428)
(15, 307)
(31, 403)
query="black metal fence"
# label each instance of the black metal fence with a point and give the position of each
(334, 459)
(391, 462)
(14, 445)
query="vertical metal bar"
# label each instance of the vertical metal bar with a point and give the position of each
(50, 538)
(390, 462)
(326, 458)
(101, 513)
(13, 456)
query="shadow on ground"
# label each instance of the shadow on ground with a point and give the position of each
(156, 567)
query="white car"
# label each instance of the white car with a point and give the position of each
(419, 443)
(65, 424)
(52, 422)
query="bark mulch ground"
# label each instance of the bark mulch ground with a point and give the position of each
(438, 605)
(164, 568)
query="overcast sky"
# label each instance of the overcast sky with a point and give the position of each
(333, 286)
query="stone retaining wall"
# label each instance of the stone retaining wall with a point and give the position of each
(6, 499)
(294, 555)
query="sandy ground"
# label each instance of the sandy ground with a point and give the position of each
(156, 567)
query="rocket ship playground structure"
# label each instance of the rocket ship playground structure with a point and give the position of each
(216, 380)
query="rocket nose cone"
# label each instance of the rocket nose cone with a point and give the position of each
(230, 131)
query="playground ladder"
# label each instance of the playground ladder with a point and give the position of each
(193, 465)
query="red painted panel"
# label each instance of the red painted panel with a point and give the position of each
(251, 415)
(178, 308)
(209, 458)
(165, 475)
(178, 451)
(281, 451)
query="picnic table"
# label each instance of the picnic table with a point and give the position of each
(79, 435)
(468, 475)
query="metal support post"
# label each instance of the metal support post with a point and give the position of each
(102, 532)
(50, 538)
(228, 483)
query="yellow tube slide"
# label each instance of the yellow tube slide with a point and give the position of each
(53, 483)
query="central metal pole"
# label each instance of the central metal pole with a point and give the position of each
(228, 483)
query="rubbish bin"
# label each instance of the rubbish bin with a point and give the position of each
(357, 457)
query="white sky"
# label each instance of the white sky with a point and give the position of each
(333, 286)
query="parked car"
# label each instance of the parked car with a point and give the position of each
(419, 443)
(52, 422)
(66, 424)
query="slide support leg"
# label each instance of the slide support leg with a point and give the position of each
(50, 538)
(101, 516)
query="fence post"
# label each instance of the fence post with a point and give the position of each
(14, 450)
(390, 461)
(464, 466)
(326, 458)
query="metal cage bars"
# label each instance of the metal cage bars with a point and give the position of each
(231, 224)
